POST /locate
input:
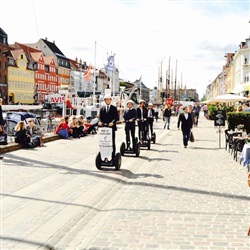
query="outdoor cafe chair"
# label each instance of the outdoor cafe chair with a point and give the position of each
(238, 147)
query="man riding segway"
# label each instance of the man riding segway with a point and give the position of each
(142, 114)
(150, 120)
(108, 118)
(130, 116)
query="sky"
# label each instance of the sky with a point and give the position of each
(146, 37)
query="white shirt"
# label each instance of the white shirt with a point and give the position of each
(186, 115)
(107, 108)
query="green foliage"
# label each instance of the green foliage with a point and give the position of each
(236, 118)
(122, 84)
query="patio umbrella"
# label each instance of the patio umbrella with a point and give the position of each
(229, 98)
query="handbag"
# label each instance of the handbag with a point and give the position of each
(191, 136)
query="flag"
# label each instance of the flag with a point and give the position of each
(110, 64)
(138, 83)
(87, 74)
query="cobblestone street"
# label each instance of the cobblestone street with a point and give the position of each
(170, 197)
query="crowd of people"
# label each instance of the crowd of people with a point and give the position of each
(70, 126)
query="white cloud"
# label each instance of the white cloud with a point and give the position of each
(140, 33)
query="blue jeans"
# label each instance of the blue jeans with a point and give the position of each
(167, 122)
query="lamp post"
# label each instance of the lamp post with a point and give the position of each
(160, 82)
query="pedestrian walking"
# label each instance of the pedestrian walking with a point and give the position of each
(196, 110)
(186, 121)
(156, 109)
(1, 119)
(167, 112)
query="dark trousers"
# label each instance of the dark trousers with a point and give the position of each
(130, 130)
(150, 125)
(113, 141)
(142, 130)
(186, 136)
(156, 116)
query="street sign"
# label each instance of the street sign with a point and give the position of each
(220, 118)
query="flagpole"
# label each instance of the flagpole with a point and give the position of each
(94, 77)
(140, 91)
(168, 83)
(113, 77)
(175, 81)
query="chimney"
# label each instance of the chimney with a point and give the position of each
(46, 38)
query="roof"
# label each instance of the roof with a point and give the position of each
(54, 48)
(28, 50)
(16, 53)
(36, 55)
(3, 37)
(2, 33)
(48, 59)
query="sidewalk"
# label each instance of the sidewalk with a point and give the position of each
(168, 198)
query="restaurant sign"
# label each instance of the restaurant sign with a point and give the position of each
(219, 118)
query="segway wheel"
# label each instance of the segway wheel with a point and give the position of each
(137, 149)
(98, 161)
(154, 138)
(122, 148)
(118, 161)
(149, 144)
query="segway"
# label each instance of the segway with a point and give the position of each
(153, 138)
(104, 157)
(145, 143)
(127, 149)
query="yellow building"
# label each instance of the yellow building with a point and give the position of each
(21, 79)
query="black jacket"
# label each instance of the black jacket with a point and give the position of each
(186, 124)
(144, 113)
(111, 116)
(1, 116)
(167, 112)
(152, 114)
(128, 115)
(21, 137)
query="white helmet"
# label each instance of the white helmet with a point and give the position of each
(141, 101)
(107, 96)
(130, 101)
(150, 104)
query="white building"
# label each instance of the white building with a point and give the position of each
(241, 63)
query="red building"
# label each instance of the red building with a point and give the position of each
(46, 79)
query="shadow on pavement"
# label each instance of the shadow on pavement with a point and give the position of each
(167, 151)
(34, 243)
(204, 148)
(104, 210)
(101, 174)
